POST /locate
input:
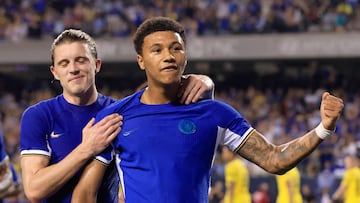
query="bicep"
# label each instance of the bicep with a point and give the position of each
(30, 165)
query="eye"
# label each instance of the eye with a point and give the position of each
(177, 48)
(81, 60)
(63, 63)
(157, 50)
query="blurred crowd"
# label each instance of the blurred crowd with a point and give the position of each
(35, 19)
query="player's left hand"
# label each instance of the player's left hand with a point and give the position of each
(195, 87)
(330, 110)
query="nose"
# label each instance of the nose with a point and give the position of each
(169, 57)
(73, 68)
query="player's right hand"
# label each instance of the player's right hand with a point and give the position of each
(97, 137)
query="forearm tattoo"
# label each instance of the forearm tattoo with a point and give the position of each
(278, 159)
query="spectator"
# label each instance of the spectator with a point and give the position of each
(261, 195)
(348, 190)
(289, 187)
(237, 180)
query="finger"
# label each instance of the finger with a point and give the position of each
(111, 127)
(90, 123)
(191, 93)
(187, 93)
(325, 95)
(113, 135)
(112, 118)
(199, 93)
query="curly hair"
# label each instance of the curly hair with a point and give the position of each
(156, 24)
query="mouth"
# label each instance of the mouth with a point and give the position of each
(75, 78)
(169, 68)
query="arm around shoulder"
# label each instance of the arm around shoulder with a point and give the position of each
(195, 87)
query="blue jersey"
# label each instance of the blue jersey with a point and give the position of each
(3, 154)
(165, 152)
(54, 128)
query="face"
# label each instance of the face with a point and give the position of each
(163, 58)
(75, 68)
(350, 162)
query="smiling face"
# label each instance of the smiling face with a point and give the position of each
(75, 68)
(163, 58)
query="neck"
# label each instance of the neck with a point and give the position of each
(160, 95)
(82, 99)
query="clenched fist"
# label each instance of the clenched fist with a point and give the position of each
(330, 110)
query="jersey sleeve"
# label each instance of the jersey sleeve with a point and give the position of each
(234, 128)
(33, 132)
(106, 156)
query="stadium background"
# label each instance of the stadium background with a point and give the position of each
(273, 74)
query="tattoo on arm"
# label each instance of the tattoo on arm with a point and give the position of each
(277, 159)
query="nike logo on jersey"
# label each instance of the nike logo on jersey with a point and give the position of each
(53, 135)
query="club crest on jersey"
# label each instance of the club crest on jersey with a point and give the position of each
(187, 127)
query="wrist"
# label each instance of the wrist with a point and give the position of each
(322, 132)
(85, 152)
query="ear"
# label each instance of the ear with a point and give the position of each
(52, 69)
(140, 61)
(98, 66)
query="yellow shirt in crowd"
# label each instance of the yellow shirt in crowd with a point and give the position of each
(237, 173)
(351, 180)
(289, 187)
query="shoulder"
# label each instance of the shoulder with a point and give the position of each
(219, 104)
(105, 100)
(221, 109)
(42, 106)
(126, 101)
(118, 106)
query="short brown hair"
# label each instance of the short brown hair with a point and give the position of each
(72, 35)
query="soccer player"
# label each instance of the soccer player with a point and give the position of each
(58, 136)
(165, 150)
(289, 185)
(237, 180)
(349, 189)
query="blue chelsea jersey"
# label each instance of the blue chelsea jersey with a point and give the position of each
(165, 152)
(54, 128)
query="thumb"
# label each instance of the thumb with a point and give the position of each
(325, 95)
